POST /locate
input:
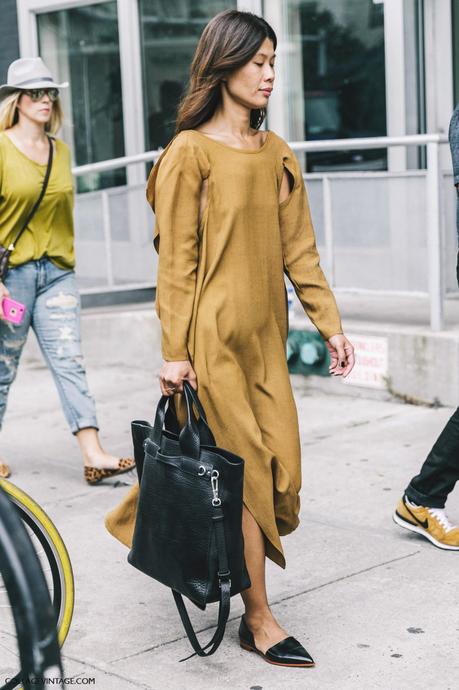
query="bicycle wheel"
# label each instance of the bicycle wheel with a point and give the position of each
(54, 560)
(30, 605)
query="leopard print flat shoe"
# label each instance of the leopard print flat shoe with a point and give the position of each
(94, 475)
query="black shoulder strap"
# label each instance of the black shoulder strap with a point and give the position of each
(40, 198)
(225, 595)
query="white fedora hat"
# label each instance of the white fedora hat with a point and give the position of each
(29, 73)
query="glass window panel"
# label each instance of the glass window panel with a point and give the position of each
(170, 32)
(81, 46)
(455, 10)
(413, 11)
(337, 87)
(344, 83)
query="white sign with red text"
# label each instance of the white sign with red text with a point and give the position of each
(371, 361)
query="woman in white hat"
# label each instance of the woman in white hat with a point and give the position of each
(41, 266)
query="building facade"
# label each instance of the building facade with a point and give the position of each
(345, 69)
(9, 37)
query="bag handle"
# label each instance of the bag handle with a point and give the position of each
(160, 416)
(205, 433)
(224, 581)
(40, 198)
(190, 442)
(166, 414)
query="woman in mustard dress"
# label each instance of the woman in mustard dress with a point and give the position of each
(232, 216)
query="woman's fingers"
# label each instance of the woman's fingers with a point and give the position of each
(169, 386)
(342, 358)
(177, 386)
(4, 292)
(333, 361)
(350, 360)
(162, 386)
(338, 358)
(191, 378)
(333, 356)
(173, 374)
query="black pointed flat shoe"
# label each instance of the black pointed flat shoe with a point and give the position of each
(288, 652)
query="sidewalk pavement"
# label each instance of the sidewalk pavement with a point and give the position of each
(375, 605)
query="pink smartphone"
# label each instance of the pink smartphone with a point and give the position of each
(13, 311)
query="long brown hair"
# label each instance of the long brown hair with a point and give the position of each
(227, 43)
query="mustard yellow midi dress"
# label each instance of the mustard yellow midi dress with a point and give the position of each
(222, 303)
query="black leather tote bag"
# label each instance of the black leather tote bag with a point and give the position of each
(188, 531)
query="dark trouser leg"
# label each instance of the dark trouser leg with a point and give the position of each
(440, 472)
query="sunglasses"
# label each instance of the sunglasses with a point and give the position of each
(37, 94)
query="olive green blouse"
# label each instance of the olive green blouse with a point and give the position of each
(50, 232)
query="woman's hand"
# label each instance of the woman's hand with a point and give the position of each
(4, 292)
(172, 375)
(341, 355)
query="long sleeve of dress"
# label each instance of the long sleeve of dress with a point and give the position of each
(301, 259)
(454, 143)
(173, 191)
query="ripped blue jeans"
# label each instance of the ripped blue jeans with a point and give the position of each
(53, 311)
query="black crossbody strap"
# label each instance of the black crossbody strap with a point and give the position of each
(40, 198)
(225, 596)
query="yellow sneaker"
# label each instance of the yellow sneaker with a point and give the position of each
(431, 523)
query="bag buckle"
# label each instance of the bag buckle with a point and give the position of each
(216, 501)
(224, 577)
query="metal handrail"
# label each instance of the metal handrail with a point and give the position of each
(432, 142)
(368, 142)
(115, 163)
(306, 146)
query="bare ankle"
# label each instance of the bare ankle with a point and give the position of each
(99, 459)
(257, 618)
